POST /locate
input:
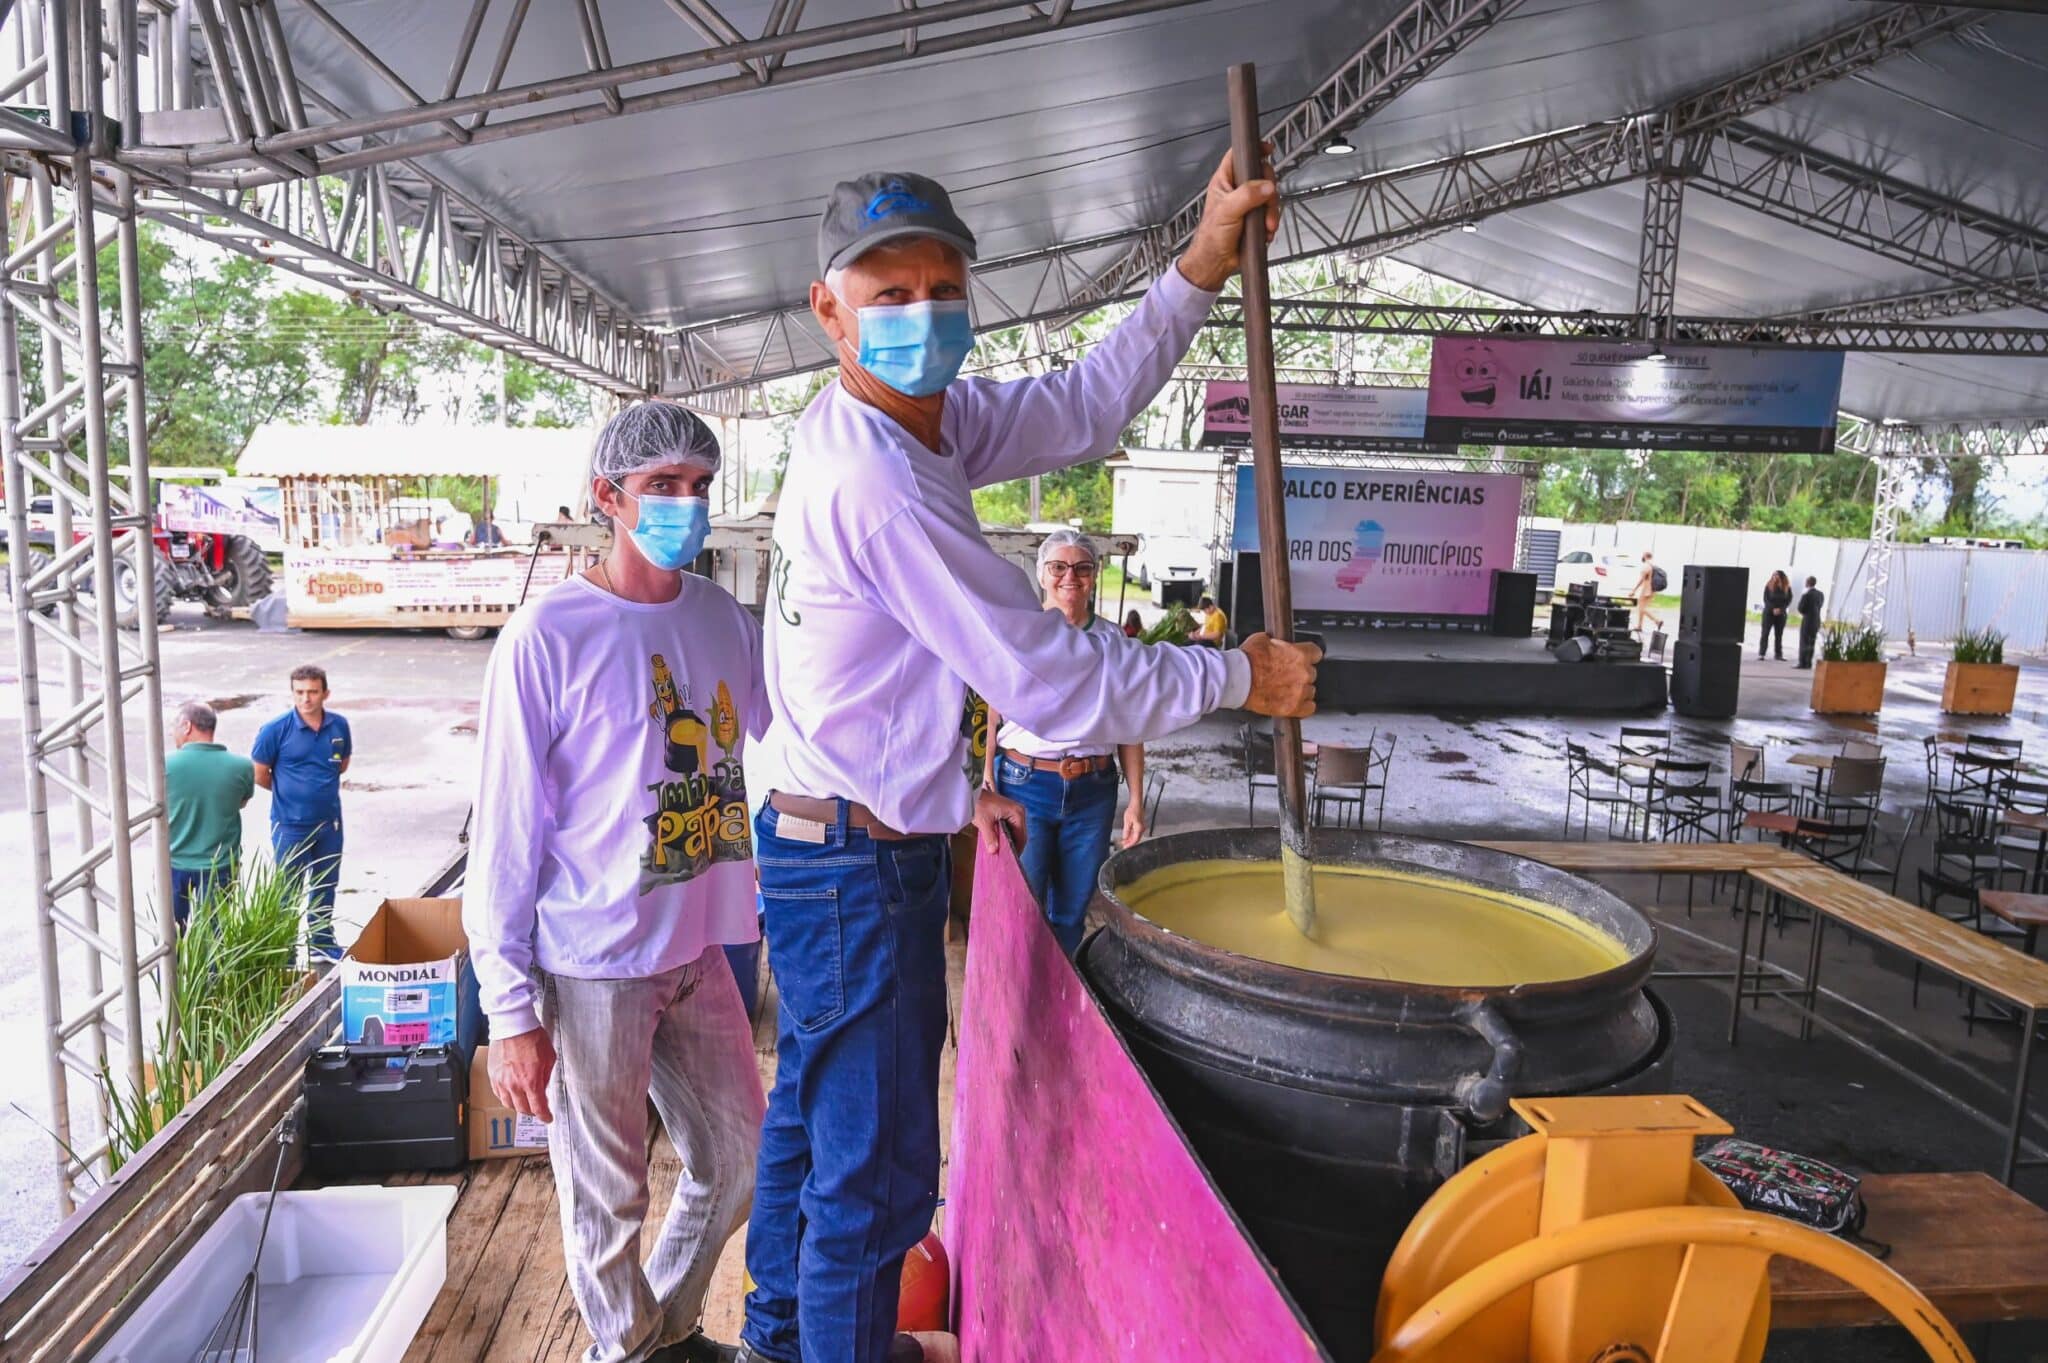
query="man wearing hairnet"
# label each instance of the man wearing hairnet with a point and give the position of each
(885, 605)
(611, 863)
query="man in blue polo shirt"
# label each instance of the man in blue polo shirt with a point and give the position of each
(300, 757)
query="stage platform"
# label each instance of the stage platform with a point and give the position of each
(1435, 669)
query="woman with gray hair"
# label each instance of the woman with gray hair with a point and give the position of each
(1068, 791)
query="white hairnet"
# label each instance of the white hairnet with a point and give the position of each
(1060, 539)
(651, 434)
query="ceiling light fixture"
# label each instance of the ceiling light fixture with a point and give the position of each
(1339, 145)
(1656, 355)
(1468, 226)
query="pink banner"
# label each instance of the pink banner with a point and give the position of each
(1391, 542)
(1334, 416)
(1606, 394)
(1079, 1223)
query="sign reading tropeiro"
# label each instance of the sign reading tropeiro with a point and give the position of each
(1390, 541)
(1339, 418)
(1588, 392)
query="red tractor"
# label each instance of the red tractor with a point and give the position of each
(218, 569)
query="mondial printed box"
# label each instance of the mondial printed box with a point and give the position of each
(401, 980)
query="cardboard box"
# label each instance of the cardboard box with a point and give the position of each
(404, 979)
(496, 1131)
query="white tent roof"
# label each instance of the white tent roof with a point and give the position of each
(696, 208)
(280, 450)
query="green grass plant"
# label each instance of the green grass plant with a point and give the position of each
(1847, 643)
(1985, 645)
(236, 973)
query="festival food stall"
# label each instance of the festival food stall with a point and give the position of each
(370, 542)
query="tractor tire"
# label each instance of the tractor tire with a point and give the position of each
(248, 574)
(37, 561)
(129, 595)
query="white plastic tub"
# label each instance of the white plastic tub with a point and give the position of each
(348, 1275)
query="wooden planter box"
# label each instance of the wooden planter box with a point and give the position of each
(1979, 688)
(1848, 688)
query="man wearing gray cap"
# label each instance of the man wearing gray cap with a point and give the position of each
(885, 606)
(611, 864)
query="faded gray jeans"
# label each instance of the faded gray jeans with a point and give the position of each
(683, 1039)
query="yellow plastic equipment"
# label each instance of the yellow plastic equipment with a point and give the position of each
(1600, 1239)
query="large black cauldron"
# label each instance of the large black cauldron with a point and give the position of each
(1328, 1108)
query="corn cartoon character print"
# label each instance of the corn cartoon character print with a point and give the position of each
(974, 728)
(699, 813)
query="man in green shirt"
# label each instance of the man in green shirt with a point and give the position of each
(205, 787)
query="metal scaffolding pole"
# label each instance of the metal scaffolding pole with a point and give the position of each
(1894, 447)
(73, 428)
(1657, 269)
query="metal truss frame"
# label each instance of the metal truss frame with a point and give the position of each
(1421, 37)
(243, 154)
(71, 347)
(1376, 213)
(1657, 266)
(2002, 263)
(1625, 328)
(1893, 487)
(1921, 305)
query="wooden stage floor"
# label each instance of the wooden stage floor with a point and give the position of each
(507, 1299)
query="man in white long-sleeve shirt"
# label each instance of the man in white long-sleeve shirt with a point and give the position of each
(611, 864)
(886, 605)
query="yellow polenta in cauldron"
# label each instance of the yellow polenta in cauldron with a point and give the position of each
(1376, 922)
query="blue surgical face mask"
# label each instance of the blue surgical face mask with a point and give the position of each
(670, 531)
(916, 348)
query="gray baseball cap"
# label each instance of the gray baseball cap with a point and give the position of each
(886, 205)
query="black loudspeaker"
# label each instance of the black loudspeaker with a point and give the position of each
(1705, 678)
(1712, 604)
(1226, 586)
(1577, 649)
(1514, 604)
(1248, 610)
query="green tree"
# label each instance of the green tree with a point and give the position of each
(214, 368)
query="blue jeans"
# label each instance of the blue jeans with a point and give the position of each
(315, 850)
(848, 1175)
(1066, 839)
(190, 889)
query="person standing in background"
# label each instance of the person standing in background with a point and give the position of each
(300, 758)
(1068, 790)
(205, 787)
(1646, 594)
(1777, 604)
(1134, 625)
(1214, 623)
(1810, 602)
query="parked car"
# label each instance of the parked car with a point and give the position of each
(1616, 573)
(42, 517)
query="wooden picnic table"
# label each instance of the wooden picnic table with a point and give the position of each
(2027, 912)
(1659, 858)
(1976, 1248)
(1987, 965)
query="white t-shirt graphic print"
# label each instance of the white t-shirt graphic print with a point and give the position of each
(612, 831)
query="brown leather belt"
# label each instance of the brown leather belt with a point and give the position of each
(1069, 768)
(826, 812)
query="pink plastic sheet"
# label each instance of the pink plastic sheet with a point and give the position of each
(1079, 1223)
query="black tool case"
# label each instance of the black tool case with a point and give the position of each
(384, 1109)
